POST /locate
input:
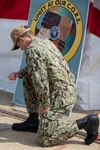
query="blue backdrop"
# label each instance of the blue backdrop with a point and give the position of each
(77, 11)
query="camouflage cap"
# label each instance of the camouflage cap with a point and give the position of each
(16, 33)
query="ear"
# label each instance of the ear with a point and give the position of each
(21, 39)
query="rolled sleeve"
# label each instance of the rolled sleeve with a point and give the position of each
(23, 72)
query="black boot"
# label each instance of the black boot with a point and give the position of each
(90, 124)
(30, 124)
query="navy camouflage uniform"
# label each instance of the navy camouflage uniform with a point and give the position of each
(49, 83)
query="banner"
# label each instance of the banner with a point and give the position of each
(14, 9)
(12, 14)
(94, 16)
(64, 23)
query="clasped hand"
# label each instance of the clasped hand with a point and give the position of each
(42, 110)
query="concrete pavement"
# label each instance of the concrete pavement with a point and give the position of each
(13, 140)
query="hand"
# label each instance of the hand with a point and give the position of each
(64, 27)
(43, 33)
(54, 9)
(42, 110)
(50, 19)
(13, 76)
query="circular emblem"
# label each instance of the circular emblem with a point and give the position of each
(54, 33)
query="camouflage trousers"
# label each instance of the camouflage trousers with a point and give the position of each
(61, 95)
(31, 101)
(55, 128)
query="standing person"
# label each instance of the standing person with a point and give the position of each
(49, 92)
